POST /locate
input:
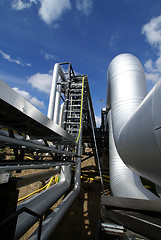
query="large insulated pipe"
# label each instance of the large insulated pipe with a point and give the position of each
(57, 71)
(136, 119)
(57, 104)
(61, 114)
(123, 181)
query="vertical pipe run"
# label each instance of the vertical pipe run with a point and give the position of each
(136, 117)
(123, 181)
(61, 114)
(57, 71)
(94, 137)
(57, 104)
(55, 217)
(53, 91)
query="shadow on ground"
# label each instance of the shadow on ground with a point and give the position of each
(81, 219)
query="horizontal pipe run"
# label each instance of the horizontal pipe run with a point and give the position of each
(55, 217)
(21, 166)
(29, 179)
(42, 202)
(32, 145)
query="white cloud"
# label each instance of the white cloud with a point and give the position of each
(9, 59)
(84, 6)
(42, 82)
(48, 56)
(153, 77)
(51, 10)
(152, 32)
(20, 4)
(98, 121)
(37, 102)
(28, 97)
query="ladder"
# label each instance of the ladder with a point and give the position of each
(75, 106)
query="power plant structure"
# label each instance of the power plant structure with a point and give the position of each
(131, 123)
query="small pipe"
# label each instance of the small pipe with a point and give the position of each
(94, 137)
(29, 179)
(55, 217)
(42, 202)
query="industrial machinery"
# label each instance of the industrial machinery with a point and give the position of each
(133, 119)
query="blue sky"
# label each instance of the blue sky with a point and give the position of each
(35, 34)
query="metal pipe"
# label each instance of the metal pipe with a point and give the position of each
(123, 181)
(95, 144)
(53, 91)
(30, 165)
(136, 119)
(42, 202)
(57, 71)
(61, 114)
(57, 104)
(55, 217)
(29, 179)
(32, 145)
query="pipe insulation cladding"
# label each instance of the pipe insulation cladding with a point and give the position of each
(123, 181)
(136, 117)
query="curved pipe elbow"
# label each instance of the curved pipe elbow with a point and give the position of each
(123, 181)
(136, 119)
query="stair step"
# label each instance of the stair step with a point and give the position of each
(71, 111)
(72, 123)
(73, 117)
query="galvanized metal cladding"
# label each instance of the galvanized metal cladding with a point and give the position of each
(135, 117)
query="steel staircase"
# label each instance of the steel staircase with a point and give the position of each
(72, 122)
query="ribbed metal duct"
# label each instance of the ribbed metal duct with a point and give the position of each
(136, 119)
(123, 181)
